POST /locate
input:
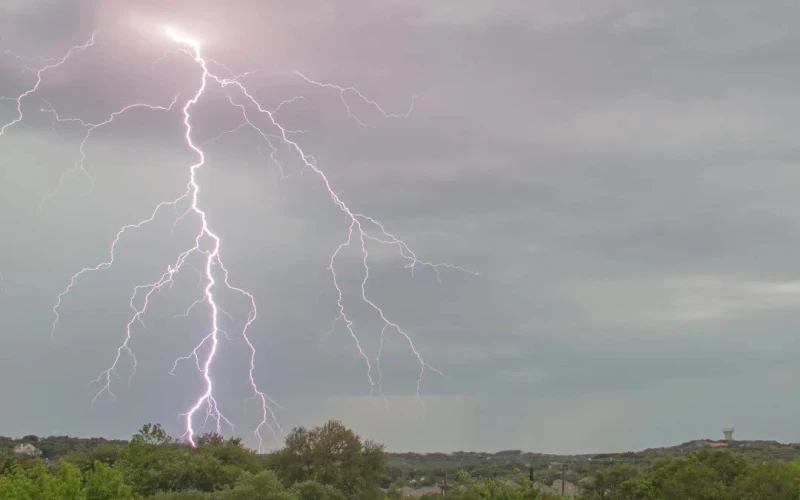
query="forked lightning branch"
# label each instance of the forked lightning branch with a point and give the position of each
(207, 246)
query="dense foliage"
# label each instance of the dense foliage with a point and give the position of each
(706, 475)
(333, 463)
(326, 463)
(417, 469)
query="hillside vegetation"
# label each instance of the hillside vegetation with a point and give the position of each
(333, 463)
(406, 467)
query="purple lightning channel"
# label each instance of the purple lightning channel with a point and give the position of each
(90, 128)
(51, 64)
(214, 274)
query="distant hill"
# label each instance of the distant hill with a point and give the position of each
(424, 469)
(757, 450)
(429, 469)
(54, 447)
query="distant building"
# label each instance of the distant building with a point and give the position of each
(26, 449)
(728, 433)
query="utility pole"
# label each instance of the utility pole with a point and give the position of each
(530, 475)
(563, 473)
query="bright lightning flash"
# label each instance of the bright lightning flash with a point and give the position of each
(207, 244)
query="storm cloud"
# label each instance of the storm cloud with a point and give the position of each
(621, 174)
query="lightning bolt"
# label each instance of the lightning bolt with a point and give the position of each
(206, 245)
(91, 127)
(51, 64)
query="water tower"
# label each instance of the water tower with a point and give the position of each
(728, 433)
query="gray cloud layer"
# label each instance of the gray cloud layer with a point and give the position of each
(621, 173)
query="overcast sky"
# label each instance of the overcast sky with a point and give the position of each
(622, 174)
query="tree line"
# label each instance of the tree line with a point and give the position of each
(703, 475)
(331, 462)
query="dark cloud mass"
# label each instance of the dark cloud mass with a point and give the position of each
(622, 173)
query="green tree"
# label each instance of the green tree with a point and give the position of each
(148, 460)
(39, 484)
(107, 453)
(232, 455)
(82, 460)
(394, 493)
(728, 466)
(17, 485)
(152, 434)
(769, 481)
(153, 462)
(493, 489)
(68, 482)
(333, 455)
(106, 483)
(309, 490)
(693, 481)
(636, 488)
(181, 495)
(262, 486)
(606, 483)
